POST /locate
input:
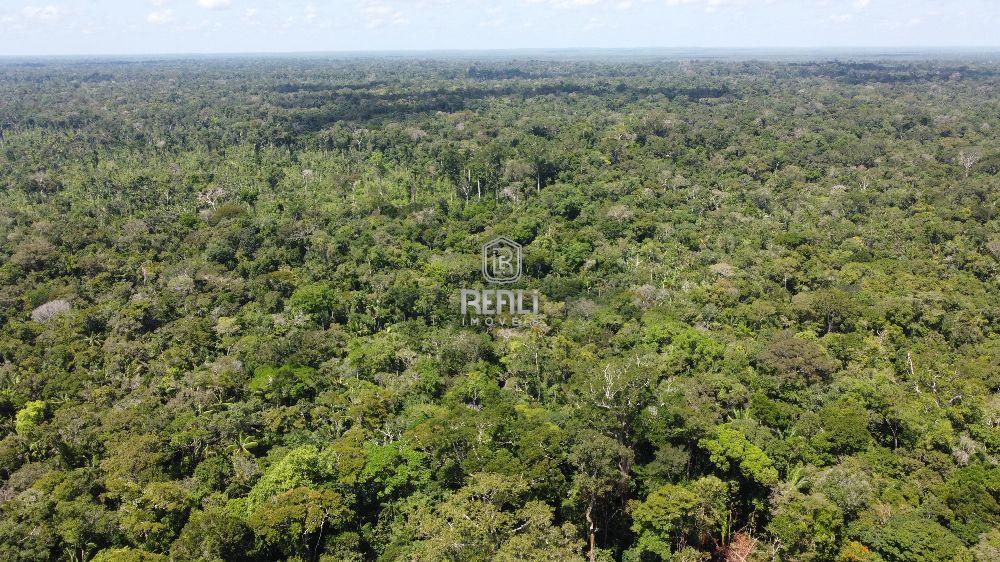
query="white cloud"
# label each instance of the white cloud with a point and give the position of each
(204, 26)
(574, 3)
(43, 14)
(160, 17)
(862, 4)
(563, 3)
(379, 14)
(496, 23)
(710, 5)
(311, 15)
(215, 4)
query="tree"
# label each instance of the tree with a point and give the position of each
(213, 534)
(988, 547)
(137, 461)
(674, 516)
(971, 495)
(808, 527)
(284, 385)
(128, 555)
(796, 360)
(911, 538)
(302, 467)
(155, 518)
(729, 449)
(228, 309)
(844, 428)
(597, 462)
(295, 523)
(28, 417)
(490, 518)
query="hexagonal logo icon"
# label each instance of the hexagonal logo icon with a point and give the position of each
(501, 260)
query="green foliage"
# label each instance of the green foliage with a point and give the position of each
(128, 555)
(285, 384)
(213, 534)
(674, 515)
(910, 538)
(392, 471)
(808, 527)
(228, 309)
(157, 515)
(292, 522)
(971, 495)
(28, 417)
(844, 428)
(797, 361)
(304, 466)
(988, 547)
(134, 462)
(854, 551)
(491, 518)
(318, 301)
(730, 449)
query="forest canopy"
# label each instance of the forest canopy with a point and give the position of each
(770, 296)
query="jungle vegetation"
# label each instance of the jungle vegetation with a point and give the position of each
(228, 310)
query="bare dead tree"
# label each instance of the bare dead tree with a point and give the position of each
(968, 160)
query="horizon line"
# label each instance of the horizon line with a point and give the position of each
(977, 49)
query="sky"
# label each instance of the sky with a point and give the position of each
(91, 27)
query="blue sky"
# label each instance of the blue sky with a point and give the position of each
(39, 27)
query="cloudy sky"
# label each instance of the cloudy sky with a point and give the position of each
(216, 26)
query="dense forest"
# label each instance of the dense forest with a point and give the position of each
(769, 325)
